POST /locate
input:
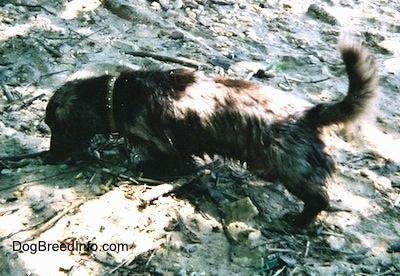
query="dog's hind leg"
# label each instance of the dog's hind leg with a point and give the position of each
(315, 200)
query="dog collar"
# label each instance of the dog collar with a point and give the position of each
(110, 105)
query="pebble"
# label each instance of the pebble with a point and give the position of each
(38, 206)
(336, 243)
(176, 35)
(43, 128)
(313, 59)
(189, 248)
(255, 235)
(6, 172)
(177, 5)
(24, 126)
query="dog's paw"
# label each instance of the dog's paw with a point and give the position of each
(296, 220)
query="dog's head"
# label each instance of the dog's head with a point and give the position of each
(75, 114)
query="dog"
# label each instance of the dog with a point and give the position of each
(176, 114)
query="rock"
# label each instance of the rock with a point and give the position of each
(336, 243)
(392, 65)
(242, 210)
(6, 172)
(176, 35)
(256, 235)
(180, 272)
(395, 247)
(289, 261)
(43, 128)
(317, 12)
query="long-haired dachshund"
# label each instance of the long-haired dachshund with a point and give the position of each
(179, 113)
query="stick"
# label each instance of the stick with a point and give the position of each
(160, 190)
(9, 211)
(24, 104)
(53, 73)
(307, 249)
(46, 226)
(52, 51)
(279, 271)
(311, 81)
(37, 6)
(34, 181)
(105, 170)
(178, 60)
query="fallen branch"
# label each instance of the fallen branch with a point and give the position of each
(178, 60)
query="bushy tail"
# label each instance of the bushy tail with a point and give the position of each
(363, 87)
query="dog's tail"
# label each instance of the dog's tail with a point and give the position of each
(362, 90)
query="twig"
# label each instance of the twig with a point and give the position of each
(23, 156)
(31, 100)
(311, 81)
(230, 238)
(47, 225)
(334, 250)
(330, 233)
(35, 181)
(12, 210)
(150, 258)
(37, 6)
(293, 271)
(53, 73)
(279, 271)
(281, 250)
(52, 51)
(287, 81)
(20, 231)
(105, 170)
(150, 181)
(103, 262)
(178, 60)
(117, 267)
(163, 189)
(52, 221)
(95, 32)
(25, 103)
(307, 249)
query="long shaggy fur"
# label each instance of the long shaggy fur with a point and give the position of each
(179, 113)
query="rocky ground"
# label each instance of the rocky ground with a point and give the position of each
(222, 220)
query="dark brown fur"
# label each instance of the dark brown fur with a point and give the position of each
(178, 113)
